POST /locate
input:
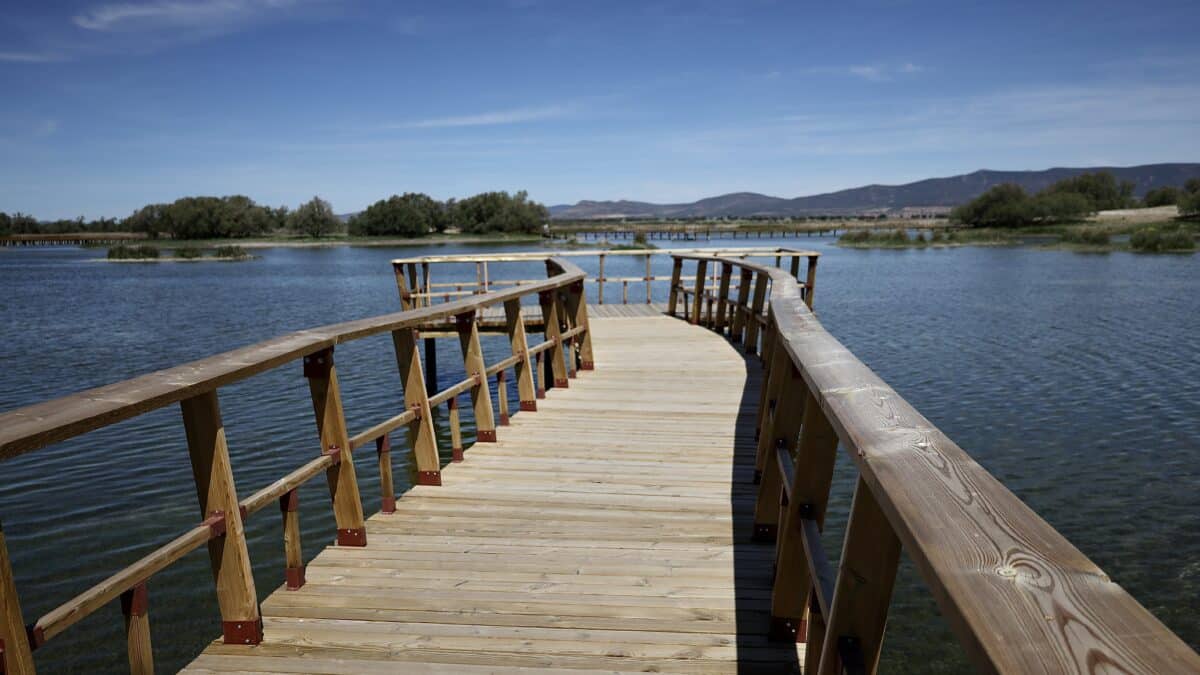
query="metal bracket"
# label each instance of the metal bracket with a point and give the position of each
(216, 524)
(587, 365)
(784, 629)
(294, 577)
(528, 406)
(135, 601)
(248, 632)
(485, 436)
(464, 321)
(456, 455)
(335, 453)
(383, 444)
(352, 536)
(319, 363)
(416, 408)
(429, 478)
(764, 532)
(388, 504)
(36, 636)
(289, 502)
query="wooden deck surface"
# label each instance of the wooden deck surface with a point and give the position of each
(606, 532)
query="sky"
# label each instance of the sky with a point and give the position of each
(107, 106)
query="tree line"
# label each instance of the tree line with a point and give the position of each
(238, 216)
(1008, 205)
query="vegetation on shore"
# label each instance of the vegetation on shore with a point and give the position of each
(132, 252)
(900, 238)
(150, 252)
(1162, 237)
(412, 215)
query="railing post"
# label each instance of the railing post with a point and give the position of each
(781, 425)
(456, 444)
(550, 319)
(752, 317)
(135, 606)
(331, 427)
(698, 300)
(293, 554)
(576, 310)
(723, 296)
(866, 576)
(387, 488)
(422, 440)
(810, 283)
(406, 299)
(738, 326)
(815, 456)
(539, 375)
(794, 267)
(649, 279)
(502, 394)
(514, 324)
(17, 657)
(240, 620)
(481, 394)
(673, 295)
(600, 283)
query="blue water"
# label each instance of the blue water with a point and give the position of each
(1074, 378)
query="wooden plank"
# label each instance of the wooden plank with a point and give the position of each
(134, 606)
(17, 657)
(515, 327)
(331, 429)
(422, 438)
(481, 393)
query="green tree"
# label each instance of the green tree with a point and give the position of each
(5, 224)
(1004, 205)
(1101, 189)
(499, 212)
(314, 218)
(1163, 196)
(410, 215)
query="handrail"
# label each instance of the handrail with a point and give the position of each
(194, 386)
(1018, 595)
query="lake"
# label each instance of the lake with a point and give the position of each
(1074, 378)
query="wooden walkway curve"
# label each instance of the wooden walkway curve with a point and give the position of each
(607, 532)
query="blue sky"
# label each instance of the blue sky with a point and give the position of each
(111, 105)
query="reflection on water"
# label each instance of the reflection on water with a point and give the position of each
(1073, 378)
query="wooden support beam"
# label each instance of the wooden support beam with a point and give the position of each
(649, 279)
(553, 328)
(514, 325)
(866, 576)
(737, 329)
(575, 306)
(236, 596)
(539, 375)
(698, 299)
(406, 291)
(293, 554)
(331, 427)
(780, 430)
(723, 297)
(600, 283)
(760, 295)
(673, 295)
(17, 657)
(502, 394)
(135, 608)
(422, 439)
(481, 394)
(456, 444)
(387, 487)
(810, 283)
(814, 461)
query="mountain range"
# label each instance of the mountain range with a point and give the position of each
(933, 195)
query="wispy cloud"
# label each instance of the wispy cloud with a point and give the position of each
(175, 13)
(514, 116)
(30, 57)
(869, 72)
(46, 128)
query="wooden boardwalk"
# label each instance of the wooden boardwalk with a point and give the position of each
(607, 532)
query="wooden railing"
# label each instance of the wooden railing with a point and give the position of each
(194, 386)
(1018, 595)
(414, 275)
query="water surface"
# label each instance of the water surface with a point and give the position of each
(1074, 378)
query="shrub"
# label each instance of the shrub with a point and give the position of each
(1189, 204)
(314, 218)
(1156, 240)
(640, 238)
(123, 252)
(188, 252)
(230, 252)
(1163, 196)
(1088, 236)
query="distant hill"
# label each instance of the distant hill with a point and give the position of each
(932, 194)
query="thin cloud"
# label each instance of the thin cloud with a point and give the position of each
(515, 116)
(30, 57)
(869, 72)
(175, 13)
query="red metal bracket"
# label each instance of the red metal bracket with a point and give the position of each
(587, 365)
(577, 286)
(335, 453)
(35, 635)
(456, 455)
(784, 629)
(388, 504)
(294, 577)
(352, 536)
(561, 384)
(429, 478)
(478, 379)
(452, 404)
(135, 601)
(545, 296)
(216, 524)
(319, 363)
(383, 444)
(485, 436)
(503, 419)
(289, 502)
(416, 408)
(528, 406)
(463, 322)
(500, 377)
(248, 632)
